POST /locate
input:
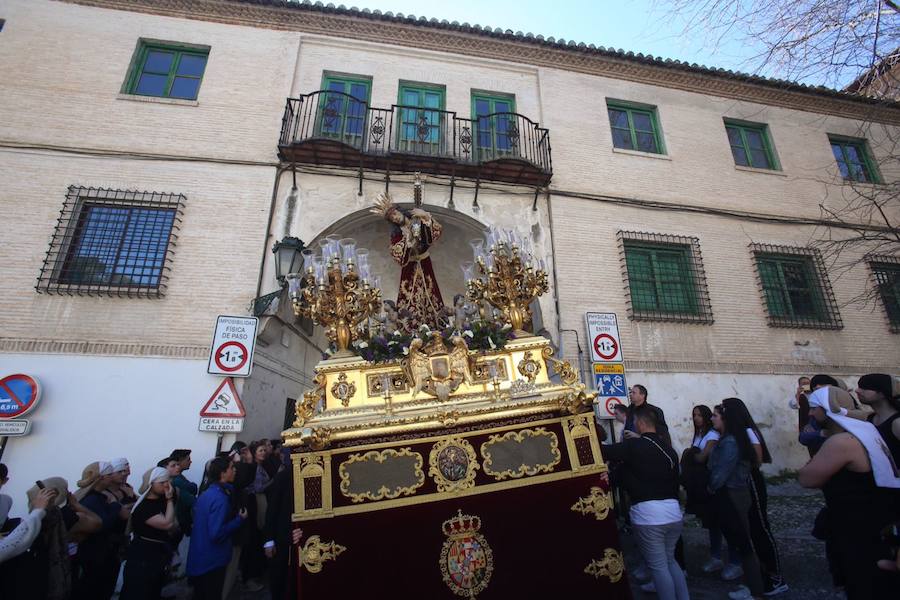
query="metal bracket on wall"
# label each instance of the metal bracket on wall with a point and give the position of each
(450, 204)
(537, 190)
(475, 201)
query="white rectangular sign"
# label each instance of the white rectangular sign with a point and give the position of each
(231, 352)
(221, 424)
(603, 337)
(14, 428)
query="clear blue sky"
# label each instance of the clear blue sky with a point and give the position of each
(635, 25)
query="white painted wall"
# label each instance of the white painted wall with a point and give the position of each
(100, 408)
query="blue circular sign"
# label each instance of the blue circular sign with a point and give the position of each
(19, 394)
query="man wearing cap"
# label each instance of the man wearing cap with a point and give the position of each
(99, 553)
(882, 394)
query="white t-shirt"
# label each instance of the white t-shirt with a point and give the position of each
(754, 439)
(656, 512)
(700, 442)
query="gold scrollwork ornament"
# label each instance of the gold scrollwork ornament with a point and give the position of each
(343, 390)
(383, 491)
(452, 464)
(598, 503)
(564, 368)
(522, 469)
(315, 553)
(529, 368)
(612, 566)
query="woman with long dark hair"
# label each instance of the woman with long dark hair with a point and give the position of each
(760, 530)
(856, 473)
(729, 484)
(695, 477)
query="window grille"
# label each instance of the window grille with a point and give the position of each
(795, 288)
(886, 271)
(112, 242)
(664, 277)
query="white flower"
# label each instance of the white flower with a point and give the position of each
(492, 344)
(392, 343)
(505, 327)
(468, 333)
(363, 345)
(406, 351)
(397, 333)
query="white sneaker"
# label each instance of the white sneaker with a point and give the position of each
(742, 593)
(650, 588)
(641, 574)
(712, 565)
(732, 572)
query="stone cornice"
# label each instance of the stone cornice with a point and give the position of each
(337, 22)
(94, 348)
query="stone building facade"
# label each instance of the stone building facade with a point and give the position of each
(126, 375)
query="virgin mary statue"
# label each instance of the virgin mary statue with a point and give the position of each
(412, 235)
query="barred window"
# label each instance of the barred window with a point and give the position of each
(795, 288)
(886, 270)
(664, 277)
(112, 242)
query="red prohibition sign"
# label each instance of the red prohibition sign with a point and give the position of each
(599, 346)
(224, 351)
(610, 403)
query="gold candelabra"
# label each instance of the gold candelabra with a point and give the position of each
(339, 292)
(507, 276)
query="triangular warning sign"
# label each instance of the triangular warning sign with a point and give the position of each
(224, 402)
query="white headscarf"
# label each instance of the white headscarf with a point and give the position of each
(119, 464)
(105, 468)
(831, 400)
(155, 475)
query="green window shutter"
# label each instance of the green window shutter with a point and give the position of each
(661, 280)
(887, 280)
(750, 145)
(792, 289)
(770, 274)
(496, 134)
(167, 71)
(634, 128)
(853, 160)
(421, 118)
(339, 116)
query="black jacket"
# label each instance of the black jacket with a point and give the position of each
(661, 428)
(281, 506)
(649, 467)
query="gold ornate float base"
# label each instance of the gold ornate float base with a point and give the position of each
(496, 491)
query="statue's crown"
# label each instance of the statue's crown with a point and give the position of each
(461, 524)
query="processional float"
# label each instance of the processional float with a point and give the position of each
(447, 457)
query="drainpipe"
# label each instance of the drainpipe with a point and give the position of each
(262, 261)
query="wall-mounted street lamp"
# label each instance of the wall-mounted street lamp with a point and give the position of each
(288, 257)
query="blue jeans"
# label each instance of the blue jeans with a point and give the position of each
(657, 544)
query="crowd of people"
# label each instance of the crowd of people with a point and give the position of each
(82, 543)
(854, 448)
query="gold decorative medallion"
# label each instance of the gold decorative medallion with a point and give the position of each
(452, 464)
(343, 390)
(315, 552)
(538, 445)
(598, 503)
(467, 561)
(612, 566)
(400, 467)
(436, 370)
(529, 368)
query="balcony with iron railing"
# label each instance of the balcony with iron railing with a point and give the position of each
(333, 128)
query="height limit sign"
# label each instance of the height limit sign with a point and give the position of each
(231, 352)
(603, 333)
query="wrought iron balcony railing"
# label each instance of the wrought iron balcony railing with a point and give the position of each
(333, 128)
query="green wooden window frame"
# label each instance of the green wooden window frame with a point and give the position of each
(887, 281)
(410, 119)
(339, 117)
(635, 128)
(750, 145)
(167, 71)
(491, 135)
(791, 288)
(853, 159)
(660, 279)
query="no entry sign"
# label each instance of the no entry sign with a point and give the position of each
(232, 347)
(19, 395)
(603, 333)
